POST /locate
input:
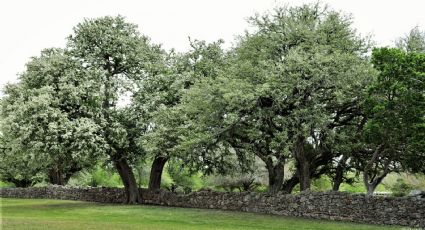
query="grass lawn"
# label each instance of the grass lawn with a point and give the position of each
(60, 214)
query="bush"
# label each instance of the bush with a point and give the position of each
(321, 184)
(400, 188)
(238, 182)
(182, 180)
(99, 176)
(6, 184)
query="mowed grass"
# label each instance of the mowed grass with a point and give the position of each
(60, 214)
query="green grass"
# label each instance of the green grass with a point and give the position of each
(59, 214)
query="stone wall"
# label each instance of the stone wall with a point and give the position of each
(407, 211)
(103, 195)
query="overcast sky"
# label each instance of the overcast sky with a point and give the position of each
(30, 26)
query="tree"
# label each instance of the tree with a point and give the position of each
(124, 60)
(47, 123)
(14, 167)
(290, 84)
(395, 107)
(159, 98)
(413, 42)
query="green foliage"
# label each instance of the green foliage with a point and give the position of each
(166, 180)
(400, 188)
(401, 184)
(321, 184)
(126, 62)
(182, 178)
(47, 118)
(161, 103)
(238, 180)
(123, 58)
(298, 93)
(235, 182)
(141, 172)
(96, 177)
(174, 177)
(353, 188)
(412, 42)
(6, 184)
(288, 79)
(396, 110)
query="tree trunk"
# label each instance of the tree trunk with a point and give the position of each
(339, 174)
(303, 164)
(337, 181)
(371, 181)
(372, 184)
(59, 177)
(130, 186)
(290, 184)
(305, 180)
(276, 175)
(370, 187)
(56, 177)
(156, 173)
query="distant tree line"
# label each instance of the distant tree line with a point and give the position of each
(302, 89)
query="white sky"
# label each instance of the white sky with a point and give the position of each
(30, 26)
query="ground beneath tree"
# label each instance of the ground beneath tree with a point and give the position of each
(59, 214)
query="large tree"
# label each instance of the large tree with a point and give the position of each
(291, 83)
(395, 108)
(159, 98)
(124, 60)
(47, 119)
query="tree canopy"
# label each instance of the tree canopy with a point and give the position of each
(301, 96)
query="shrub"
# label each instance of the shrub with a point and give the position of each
(400, 188)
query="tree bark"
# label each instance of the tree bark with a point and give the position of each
(276, 175)
(339, 174)
(130, 186)
(56, 177)
(303, 164)
(290, 184)
(337, 181)
(59, 177)
(372, 182)
(370, 187)
(156, 172)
